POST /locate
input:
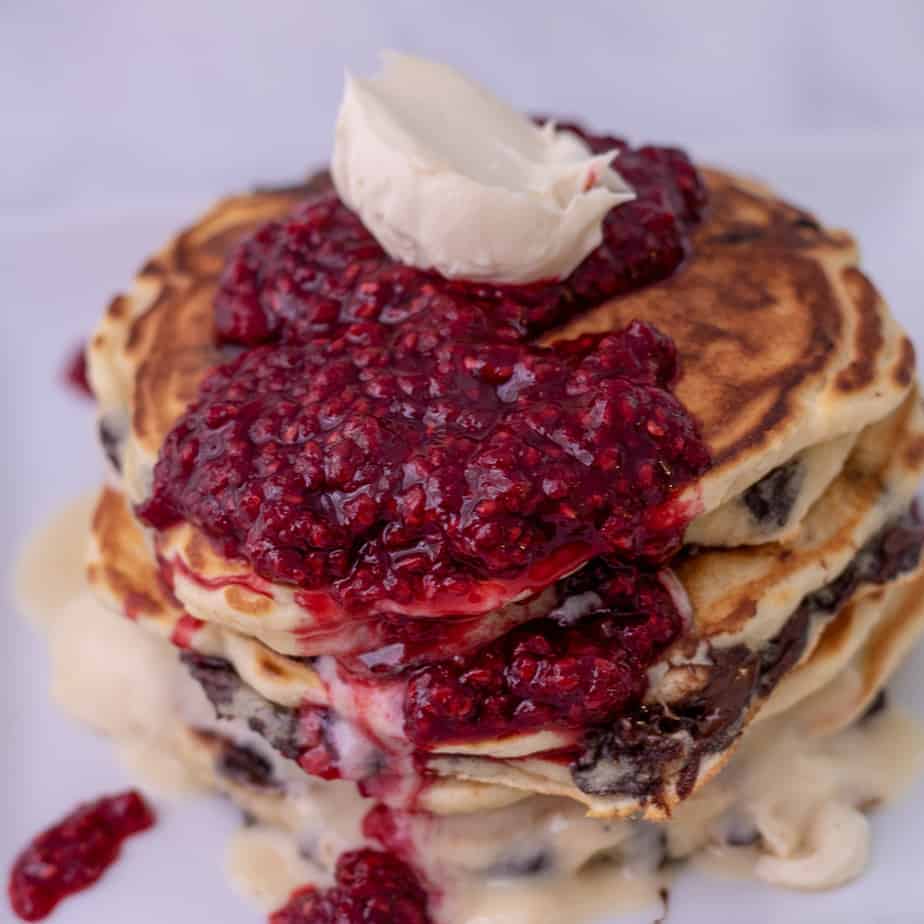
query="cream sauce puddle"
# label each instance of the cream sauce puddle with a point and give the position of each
(813, 833)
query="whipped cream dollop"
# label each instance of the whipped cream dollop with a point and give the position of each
(448, 177)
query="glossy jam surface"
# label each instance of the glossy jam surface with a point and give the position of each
(581, 665)
(371, 888)
(391, 439)
(75, 853)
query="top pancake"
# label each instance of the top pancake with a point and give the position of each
(785, 346)
(784, 342)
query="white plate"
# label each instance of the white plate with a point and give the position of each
(55, 281)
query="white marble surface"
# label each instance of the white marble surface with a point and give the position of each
(120, 120)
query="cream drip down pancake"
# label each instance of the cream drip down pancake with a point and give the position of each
(526, 578)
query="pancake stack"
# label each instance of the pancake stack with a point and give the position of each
(800, 582)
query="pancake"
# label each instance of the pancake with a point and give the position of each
(854, 654)
(803, 387)
(784, 343)
(742, 602)
(784, 346)
(664, 756)
(830, 776)
(539, 840)
(732, 592)
(735, 596)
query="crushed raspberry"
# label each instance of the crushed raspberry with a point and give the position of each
(394, 441)
(316, 753)
(371, 888)
(583, 664)
(73, 854)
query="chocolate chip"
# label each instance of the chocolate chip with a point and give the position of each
(215, 675)
(532, 864)
(772, 499)
(245, 766)
(877, 706)
(111, 436)
(233, 699)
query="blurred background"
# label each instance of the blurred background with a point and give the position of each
(108, 103)
(122, 119)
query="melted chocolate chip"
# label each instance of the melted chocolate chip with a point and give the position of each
(531, 864)
(772, 499)
(645, 750)
(216, 676)
(245, 766)
(233, 699)
(642, 752)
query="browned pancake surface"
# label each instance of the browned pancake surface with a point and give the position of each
(757, 314)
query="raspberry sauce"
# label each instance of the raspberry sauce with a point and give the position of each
(392, 441)
(371, 887)
(74, 854)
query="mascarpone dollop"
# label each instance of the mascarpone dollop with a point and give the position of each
(448, 177)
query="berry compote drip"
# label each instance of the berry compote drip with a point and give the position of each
(371, 888)
(73, 854)
(392, 440)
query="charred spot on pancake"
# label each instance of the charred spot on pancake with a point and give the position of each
(243, 765)
(270, 665)
(247, 602)
(771, 500)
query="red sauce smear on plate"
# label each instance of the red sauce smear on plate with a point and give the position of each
(73, 854)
